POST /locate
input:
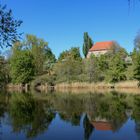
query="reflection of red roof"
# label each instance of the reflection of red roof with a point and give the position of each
(102, 125)
(102, 46)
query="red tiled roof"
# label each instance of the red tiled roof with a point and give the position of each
(102, 125)
(102, 46)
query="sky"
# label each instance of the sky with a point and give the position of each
(62, 22)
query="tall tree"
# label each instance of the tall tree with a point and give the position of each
(8, 27)
(22, 66)
(88, 43)
(37, 47)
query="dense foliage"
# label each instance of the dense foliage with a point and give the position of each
(29, 59)
(4, 71)
(22, 67)
(33, 61)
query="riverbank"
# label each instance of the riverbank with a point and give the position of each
(100, 85)
(125, 86)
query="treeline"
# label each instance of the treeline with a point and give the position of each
(33, 61)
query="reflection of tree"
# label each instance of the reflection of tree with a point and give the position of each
(70, 108)
(74, 118)
(3, 108)
(136, 114)
(108, 108)
(117, 109)
(29, 115)
(3, 103)
(41, 120)
(33, 115)
(137, 129)
(136, 109)
(88, 128)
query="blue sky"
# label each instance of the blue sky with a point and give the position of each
(62, 22)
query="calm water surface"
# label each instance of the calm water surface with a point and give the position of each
(67, 116)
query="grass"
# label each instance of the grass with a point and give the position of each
(124, 84)
(83, 85)
(123, 87)
(127, 84)
(78, 87)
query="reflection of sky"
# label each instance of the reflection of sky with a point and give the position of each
(62, 130)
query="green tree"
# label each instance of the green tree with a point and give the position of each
(88, 43)
(8, 27)
(103, 62)
(49, 60)
(137, 69)
(73, 53)
(68, 68)
(4, 71)
(117, 68)
(37, 47)
(136, 58)
(92, 70)
(22, 66)
(134, 54)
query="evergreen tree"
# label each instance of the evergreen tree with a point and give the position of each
(88, 43)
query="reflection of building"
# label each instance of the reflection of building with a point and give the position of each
(104, 126)
(101, 48)
(101, 124)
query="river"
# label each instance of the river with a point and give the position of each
(69, 116)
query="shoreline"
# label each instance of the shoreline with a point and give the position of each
(125, 86)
